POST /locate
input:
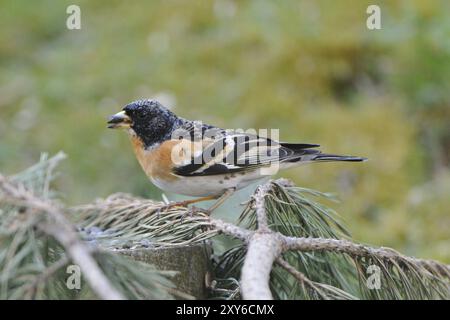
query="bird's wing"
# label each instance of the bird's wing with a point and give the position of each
(231, 152)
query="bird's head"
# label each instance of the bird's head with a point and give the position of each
(149, 120)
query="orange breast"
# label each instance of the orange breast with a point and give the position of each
(156, 163)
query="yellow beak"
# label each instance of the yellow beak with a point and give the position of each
(119, 120)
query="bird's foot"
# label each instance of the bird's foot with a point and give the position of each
(171, 205)
(194, 210)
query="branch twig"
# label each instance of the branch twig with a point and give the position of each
(359, 250)
(300, 277)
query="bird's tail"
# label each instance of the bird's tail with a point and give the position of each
(333, 157)
(307, 152)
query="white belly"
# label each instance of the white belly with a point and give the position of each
(202, 186)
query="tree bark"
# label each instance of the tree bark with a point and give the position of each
(192, 263)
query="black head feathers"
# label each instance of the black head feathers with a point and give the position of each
(151, 121)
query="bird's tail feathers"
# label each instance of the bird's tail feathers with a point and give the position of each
(334, 157)
(304, 152)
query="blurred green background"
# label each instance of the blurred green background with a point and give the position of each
(311, 69)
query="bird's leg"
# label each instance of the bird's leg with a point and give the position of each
(184, 203)
(220, 200)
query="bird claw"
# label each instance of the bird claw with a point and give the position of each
(189, 211)
(170, 205)
(193, 210)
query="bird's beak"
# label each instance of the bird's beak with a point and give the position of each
(119, 120)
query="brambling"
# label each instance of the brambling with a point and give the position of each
(199, 160)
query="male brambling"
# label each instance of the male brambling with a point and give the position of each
(195, 159)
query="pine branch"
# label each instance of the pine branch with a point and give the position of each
(122, 219)
(292, 247)
(43, 277)
(262, 250)
(38, 239)
(61, 229)
(264, 246)
(358, 250)
(325, 292)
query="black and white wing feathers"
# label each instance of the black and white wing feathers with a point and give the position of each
(233, 152)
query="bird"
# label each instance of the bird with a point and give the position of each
(192, 158)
